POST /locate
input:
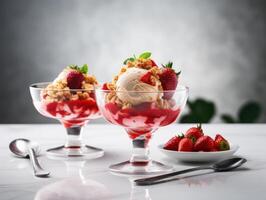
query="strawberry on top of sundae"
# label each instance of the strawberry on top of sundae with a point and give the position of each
(72, 77)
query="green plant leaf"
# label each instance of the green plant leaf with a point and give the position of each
(204, 110)
(201, 111)
(228, 118)
(249, 112)
(145, 55)
(189, 118)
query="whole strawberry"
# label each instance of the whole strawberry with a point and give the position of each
(169, 80)
(194, 133)
(173, 143)
(76, 76)
(74, 79)
(221, 144)
(204, 143)
(185, 144)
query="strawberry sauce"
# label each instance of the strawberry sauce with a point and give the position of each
(141, 119)
(73, 112)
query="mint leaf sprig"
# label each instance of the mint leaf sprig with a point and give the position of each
(129, 59)
(82, 69)
(144, 55)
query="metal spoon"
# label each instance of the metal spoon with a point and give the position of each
(26, 149)
(220, 166)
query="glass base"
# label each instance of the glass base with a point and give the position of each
(149, 168)
(83, 152)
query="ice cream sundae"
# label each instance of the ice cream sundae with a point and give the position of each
(141, 94)
(70, 97)
(142, 98)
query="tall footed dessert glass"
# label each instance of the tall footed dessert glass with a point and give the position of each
(70, 98)
(142, 98)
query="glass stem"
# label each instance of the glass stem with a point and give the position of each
(140, 153)
(73, 139)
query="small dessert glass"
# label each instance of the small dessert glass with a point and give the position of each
(140, 122)
(73, 114)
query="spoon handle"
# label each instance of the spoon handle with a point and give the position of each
(38, 170)
(154, 179)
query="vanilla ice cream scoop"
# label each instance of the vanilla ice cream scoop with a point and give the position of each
(130, 88)
(62, 75)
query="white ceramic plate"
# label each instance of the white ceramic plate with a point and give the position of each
(199, 156)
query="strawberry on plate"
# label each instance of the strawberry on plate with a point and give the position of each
(204, 143)
(205, 149)
(169, 79)
(173, 143)
(185, 144)
(220, 143)
(194, 133)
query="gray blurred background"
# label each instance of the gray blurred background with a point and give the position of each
(219, 46)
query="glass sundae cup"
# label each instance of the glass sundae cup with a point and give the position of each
(73, 114)
(140, 122)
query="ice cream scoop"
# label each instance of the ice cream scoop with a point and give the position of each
(62, 75)
(129, 87)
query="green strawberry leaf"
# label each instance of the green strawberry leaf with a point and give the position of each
(145, 55)
(168, 65)
(178, 73)
(74, 67)
(83, 69)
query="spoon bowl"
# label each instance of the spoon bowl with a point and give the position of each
(229, 164)
(20, 147)
(24, 148)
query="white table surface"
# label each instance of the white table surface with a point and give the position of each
(92, 180)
